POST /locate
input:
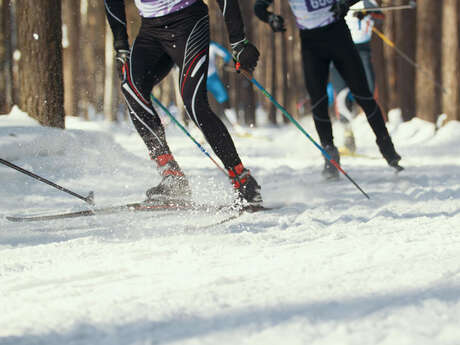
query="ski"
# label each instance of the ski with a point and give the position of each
(138, 207)
(348, 153)
(131, 207)
(248, 135)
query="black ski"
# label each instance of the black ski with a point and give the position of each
(139, 207)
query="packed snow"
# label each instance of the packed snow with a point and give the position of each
(326, 267)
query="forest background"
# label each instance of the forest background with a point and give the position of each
(57, 59)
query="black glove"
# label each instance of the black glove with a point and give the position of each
(260, 9)
(276, 23)
(121, 57)
(340, 9)
(245, 55)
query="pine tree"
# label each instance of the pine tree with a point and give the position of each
(6, 72)
(40, 66)
(428, 96)
(451, 58)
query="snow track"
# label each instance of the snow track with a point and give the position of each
(328, 268)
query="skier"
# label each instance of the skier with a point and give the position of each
(360, 24)
(177, 32)
(325, 38)
(214, 84)
(217, 88)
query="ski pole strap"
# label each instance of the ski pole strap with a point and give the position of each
(385, 8)
(202, 149)
(89, 199)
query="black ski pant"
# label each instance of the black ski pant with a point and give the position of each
(181, 38)
(365, 53)
(320, 47)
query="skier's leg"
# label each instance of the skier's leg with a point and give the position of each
(316, 72)
(148, 64)
(136, 89)
(341, 107)
(336, 80)
(364, 51)
(215, 86)
(189, 48)
(350, 67)
(218, 90)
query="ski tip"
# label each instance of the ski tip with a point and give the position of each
(14, 219)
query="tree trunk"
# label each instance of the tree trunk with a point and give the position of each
(428, 97)
(390, 62)
(291, 76)
(6, 63)
(40, 66)
(247, 96)
(405, 40)
(299, 91)
(451, 58)
(71, 55)
(111, 81)
(93, 57)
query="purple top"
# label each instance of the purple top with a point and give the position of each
(159, 8)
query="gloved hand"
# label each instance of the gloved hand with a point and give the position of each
(340, 9)
(121, 57)
(245, 55)
(276, 23)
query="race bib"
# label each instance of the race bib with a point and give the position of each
(315, 5)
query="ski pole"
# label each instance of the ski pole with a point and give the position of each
(409, 60)
(412, 5)
(89, 199)
(285, 112)
(157, 102)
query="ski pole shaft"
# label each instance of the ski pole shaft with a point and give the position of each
(89, 199)
(286, 113)
(385, 8)
(409, 60)
(202, 149)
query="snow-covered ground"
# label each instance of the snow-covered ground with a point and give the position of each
(329, 267)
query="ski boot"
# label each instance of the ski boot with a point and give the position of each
(349, 143)
(246, 187)
(388, 152)
(330, 172)
(174, 184)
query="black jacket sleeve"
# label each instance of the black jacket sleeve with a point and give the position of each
(116, 16)
(352, 2)
(260, 9)
(232, 15)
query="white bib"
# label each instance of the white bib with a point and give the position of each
(311, 14)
